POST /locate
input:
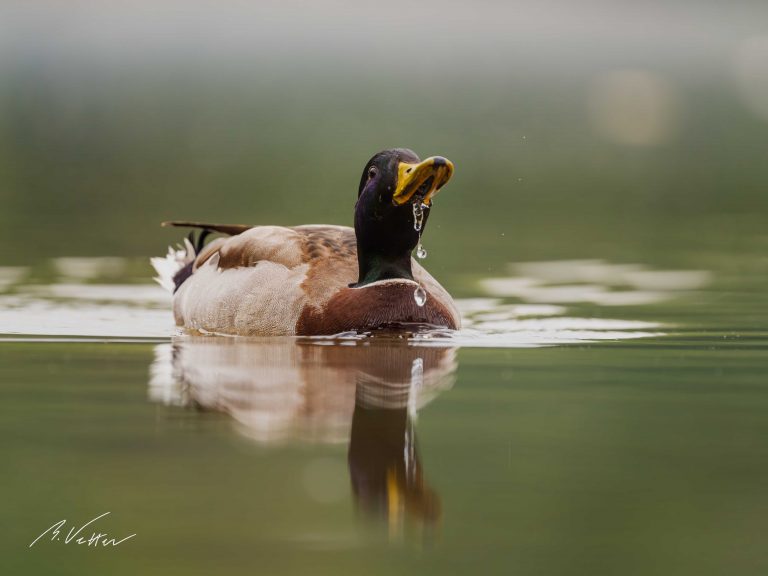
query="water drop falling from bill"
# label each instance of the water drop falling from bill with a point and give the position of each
(420, 295)
(418, 215)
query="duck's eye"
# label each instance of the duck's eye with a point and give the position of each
(372, 172)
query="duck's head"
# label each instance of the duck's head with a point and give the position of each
(393, 182)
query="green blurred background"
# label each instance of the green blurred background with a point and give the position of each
(578, 129)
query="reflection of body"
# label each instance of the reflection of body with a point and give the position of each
(282, 390)
(309, 280)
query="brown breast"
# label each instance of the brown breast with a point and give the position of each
(372, 307)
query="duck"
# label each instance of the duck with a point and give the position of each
(318, 279)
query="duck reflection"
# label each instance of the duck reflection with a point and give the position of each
(386, 472)
(288, 390)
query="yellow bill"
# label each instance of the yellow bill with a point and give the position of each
(420, 182)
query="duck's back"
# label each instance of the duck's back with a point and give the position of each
(272, 280)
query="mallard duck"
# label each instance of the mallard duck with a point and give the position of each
(319, 279)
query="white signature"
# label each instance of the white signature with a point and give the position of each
(73, 535)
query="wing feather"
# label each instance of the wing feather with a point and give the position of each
(230, 229)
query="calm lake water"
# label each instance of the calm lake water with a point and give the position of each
(592, 417)
(602, 412)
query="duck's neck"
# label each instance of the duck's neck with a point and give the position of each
(385, 239)
(374, 267)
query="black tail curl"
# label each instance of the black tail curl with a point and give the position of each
(197, 245)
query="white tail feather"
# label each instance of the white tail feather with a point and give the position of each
(174, 261)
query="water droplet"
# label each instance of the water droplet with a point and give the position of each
(420, 295)
(418, 216)
(421, 252)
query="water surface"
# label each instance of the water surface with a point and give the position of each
(590, 417)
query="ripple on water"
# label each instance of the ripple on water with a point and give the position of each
(534, 306)
(593, 281)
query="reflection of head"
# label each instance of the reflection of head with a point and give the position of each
(387, 477)
(384, 465)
